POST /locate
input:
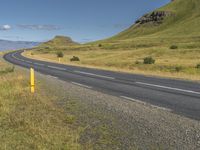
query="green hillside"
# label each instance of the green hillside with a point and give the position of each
(183, 21)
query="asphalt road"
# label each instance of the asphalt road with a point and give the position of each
(178, 96)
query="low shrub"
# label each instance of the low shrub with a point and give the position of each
(46, 47)
(60, 54)
(74, 58)
(149, 60)
(174, 47)
(178, 68)
(100, 45)
(198, 66)
(137, 62)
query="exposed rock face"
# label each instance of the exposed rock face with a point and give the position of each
(154, 17)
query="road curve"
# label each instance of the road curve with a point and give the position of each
(180, 97)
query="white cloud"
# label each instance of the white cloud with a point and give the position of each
(5, 27)
(39, 27)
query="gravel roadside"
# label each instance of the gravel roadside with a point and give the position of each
(109, 122)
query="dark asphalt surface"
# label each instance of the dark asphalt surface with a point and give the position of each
(180, 97)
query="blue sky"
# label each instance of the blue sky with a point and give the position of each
(82, 20)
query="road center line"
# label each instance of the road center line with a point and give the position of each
(82, 85)
(144, 103)
(170, 88)
(101, 76)
(39, 64)
(58, 68)
(28, 61)
(13, 55)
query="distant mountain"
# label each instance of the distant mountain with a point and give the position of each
(59, 41)
(14, 45)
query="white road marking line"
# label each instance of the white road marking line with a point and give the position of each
(129, 98)
(13, 55)
(39, 64)
(170, 88)
(58, 68)
(16, 57)
(144, 103)
(101, 76)
(52, 76)
(28, 61)
(82, 85)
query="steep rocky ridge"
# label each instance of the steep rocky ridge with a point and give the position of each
(154, 17)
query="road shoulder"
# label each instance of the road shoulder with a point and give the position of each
(111, 122)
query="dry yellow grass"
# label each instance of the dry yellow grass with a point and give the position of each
(167, 60)
(32, 121)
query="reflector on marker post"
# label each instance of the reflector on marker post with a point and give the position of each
(32, 78)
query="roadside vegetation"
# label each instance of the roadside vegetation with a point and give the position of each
(60, 54)
(180, 61)
(31, 121)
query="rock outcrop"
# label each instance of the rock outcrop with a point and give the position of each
(154, 17)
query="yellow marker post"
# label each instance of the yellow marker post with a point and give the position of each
(32, 78)
(59, 59)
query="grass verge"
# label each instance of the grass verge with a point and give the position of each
(31, 121)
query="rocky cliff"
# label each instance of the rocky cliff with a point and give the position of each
(154, 17)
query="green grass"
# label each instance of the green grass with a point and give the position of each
(184, 23)
(32, 121)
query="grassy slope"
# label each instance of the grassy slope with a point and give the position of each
(123, 50)
(184, 23)
(31, 121)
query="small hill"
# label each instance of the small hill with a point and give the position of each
(179, 18)
(59, 41)
(14, 45)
